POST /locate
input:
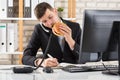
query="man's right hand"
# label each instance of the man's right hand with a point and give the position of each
(49, 62)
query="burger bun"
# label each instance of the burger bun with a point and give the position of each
(56, 29)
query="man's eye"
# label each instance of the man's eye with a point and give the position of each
(44, 21)
(50, 17)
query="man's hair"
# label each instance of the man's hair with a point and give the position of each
(41, 8)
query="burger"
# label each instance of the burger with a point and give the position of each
(56, 29)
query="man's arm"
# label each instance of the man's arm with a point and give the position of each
(29, 54)
(72, 34)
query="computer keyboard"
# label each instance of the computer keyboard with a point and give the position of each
(73, 68)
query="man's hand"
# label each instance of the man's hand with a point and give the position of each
(68, 35)
(49, 62)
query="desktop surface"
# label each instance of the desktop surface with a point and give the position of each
(58, 74)
(62, 75)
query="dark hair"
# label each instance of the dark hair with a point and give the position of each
(41, 8)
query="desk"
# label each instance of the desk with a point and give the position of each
(57, 75)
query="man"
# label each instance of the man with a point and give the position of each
(69, 52)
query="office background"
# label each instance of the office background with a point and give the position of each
(81, 5)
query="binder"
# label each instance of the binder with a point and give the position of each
(12, 37)
(2, 37)
(3, 9)
(15, 8)
(10, 8)
(33, 5)
(27, 8)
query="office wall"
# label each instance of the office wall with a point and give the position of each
(81, 5)
(94, 4)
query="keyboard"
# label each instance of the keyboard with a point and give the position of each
(73, 68)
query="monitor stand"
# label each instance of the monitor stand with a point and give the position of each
(115, 72)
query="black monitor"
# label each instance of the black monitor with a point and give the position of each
(114, 45)
(97, 28)
(112, 50)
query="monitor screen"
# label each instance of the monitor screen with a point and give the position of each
(112, 49)
(97, 29)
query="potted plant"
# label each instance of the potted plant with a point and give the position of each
(60, 10)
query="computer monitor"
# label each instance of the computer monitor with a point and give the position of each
(112, 50)
(97, 29)
(114, 42)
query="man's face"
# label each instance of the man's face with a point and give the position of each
(49, 18)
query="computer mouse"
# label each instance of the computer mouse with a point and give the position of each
(48, 70)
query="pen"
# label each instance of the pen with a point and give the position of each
(49, 56)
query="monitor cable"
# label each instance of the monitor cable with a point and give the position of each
(108, 71)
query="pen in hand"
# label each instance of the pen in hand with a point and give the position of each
(52, 57)
(49, 56)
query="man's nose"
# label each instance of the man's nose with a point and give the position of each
(49, 22)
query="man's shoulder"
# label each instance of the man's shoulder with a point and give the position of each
(68, 22)
(37, 25)
(72, 24)
(37, 28)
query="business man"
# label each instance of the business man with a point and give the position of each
(67, 52)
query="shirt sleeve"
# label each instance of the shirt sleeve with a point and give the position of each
(76, 49)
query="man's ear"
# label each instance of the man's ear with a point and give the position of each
(55, 10)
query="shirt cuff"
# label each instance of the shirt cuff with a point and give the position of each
(36, 61)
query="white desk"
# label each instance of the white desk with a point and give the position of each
(57, 75)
